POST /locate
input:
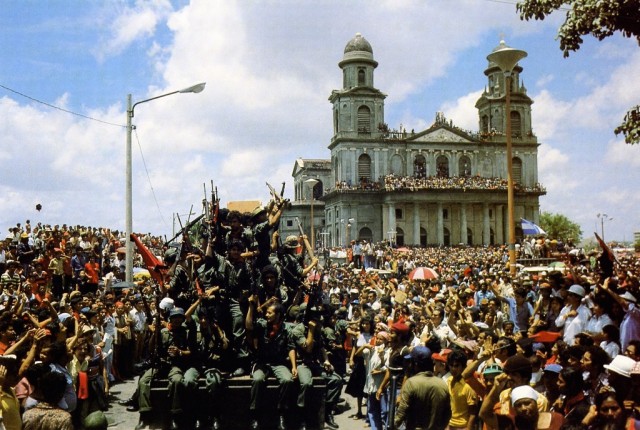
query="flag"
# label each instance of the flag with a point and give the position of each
(154, 265)
(606, 259)
(530, 229)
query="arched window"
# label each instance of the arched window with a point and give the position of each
(516, 124)
(423, 237)
(485, 123)
(517, 170)
(361, 77)
(464, 166)
(365, 233)
(399, 236)
(364, 119)
(318, 189)
(364, 169)
(442, 168)
(419, 167)
(486, 166)
(397, 165)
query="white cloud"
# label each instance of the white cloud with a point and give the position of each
(269, 68)
(463, 112)
(545, 80)
(131, 24)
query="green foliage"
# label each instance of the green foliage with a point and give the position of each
(630, 126)
(599, 18)
(560, 227)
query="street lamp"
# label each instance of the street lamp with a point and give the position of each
(311, 183)
(603, 218)
(506, 59)
(128, 192)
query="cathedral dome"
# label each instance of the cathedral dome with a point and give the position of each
(358, 43)
(358, 50)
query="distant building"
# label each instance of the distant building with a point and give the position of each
(439, 186)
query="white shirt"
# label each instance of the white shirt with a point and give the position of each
(573, 325)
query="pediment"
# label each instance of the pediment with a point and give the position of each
(441, 135)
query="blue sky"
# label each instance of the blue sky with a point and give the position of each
(270, 67)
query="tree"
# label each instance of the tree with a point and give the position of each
(560, 227)
(599, 18)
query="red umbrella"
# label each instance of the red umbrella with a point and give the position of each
(423, 273)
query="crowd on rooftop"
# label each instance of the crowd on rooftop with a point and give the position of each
(393, 182)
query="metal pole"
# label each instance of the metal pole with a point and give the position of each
(313, 235)
(128, 198)
(510, 201)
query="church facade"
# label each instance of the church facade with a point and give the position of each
(439, 186)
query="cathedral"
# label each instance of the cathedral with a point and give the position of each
(439, 186)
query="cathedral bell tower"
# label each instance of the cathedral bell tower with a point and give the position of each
(358, 108)
(492, 105)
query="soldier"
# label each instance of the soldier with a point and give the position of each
(275, 354)
(270, 290)
(293, 272)
(217, 280)
(180, 288)
(242, 286)
(214, 346)
(178, 351)
(313, 361)
(263, 223)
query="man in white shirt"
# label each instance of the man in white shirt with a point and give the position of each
(574, 316)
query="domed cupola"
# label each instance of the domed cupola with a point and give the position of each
(358, 50)
(358, 106)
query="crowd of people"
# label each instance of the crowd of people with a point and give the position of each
(445, 182)
(419, 181)
(467, 345)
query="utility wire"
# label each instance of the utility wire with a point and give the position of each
(59, 108)
(153, 192)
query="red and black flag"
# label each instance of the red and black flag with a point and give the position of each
(606, 259)
(156, 267)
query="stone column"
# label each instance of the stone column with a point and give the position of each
(486, 225)
(440, 225)
(392, 221)
(499, 224)
(416, 224)
(463, 223)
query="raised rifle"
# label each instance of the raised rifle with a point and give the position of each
(315, 297)
(307, 245)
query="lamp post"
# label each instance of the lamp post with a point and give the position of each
(603, 217)
(506, 59)
(311, 183)
(128, 192)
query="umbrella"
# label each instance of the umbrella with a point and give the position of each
(557, 265)
(124, 284)
(403, 250)
(140, 273)
(529, 228)
(423, 273)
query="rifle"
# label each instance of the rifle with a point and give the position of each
(307, 245)
(315, 294)
(185, 228)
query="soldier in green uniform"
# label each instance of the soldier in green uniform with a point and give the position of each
(291, 266)
(178, 350)
(275, 355)
(313, 361)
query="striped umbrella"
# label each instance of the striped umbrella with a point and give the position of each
(423, 273)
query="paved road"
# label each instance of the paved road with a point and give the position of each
(119, 418)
